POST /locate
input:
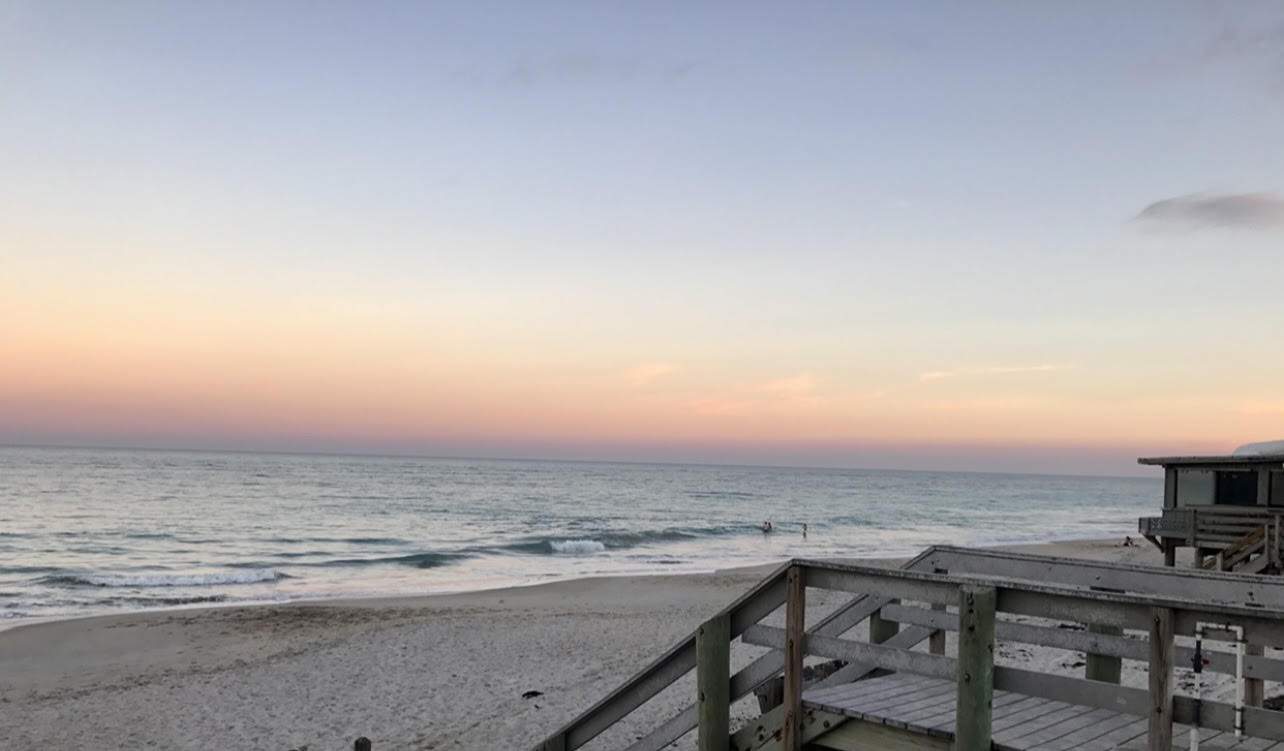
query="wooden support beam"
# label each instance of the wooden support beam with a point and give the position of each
(936, 642)
(795, 625)
(713, 683)
(1159, 735)
(975, 668)
(1103, 667)
(1254, 688)
(1170, 553)
(881, 630)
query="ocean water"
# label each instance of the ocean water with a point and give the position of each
(93, 531)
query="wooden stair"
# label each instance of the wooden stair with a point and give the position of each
(1255, 552)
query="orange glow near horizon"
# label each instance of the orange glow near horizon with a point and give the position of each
(142, 362)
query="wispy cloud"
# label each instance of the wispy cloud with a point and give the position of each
(779, 395)
(989, 370)
(1200, 210)
(648, 373)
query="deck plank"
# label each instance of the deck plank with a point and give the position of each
(1086, 736)
(926, 706)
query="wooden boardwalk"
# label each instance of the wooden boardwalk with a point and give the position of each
(888, 694)
(1019, 722)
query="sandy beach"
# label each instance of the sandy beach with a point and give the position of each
(410, 673)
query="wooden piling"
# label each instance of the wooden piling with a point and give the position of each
(713, 683)
(975, 668)
(1159, 736)
(795, 623)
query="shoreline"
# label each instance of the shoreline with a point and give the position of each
(419, 672)
(386, 599)
(349, 600)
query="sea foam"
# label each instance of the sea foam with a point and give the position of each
(577, 547)
(248, 576)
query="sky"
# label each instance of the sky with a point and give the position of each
(988, 236)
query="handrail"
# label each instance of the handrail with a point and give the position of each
(1163, 616)
(663, 671)
(917, 582)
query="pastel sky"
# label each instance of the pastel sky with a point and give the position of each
(1007, 236)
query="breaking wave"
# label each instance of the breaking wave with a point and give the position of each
(577, 547)
(246, 576)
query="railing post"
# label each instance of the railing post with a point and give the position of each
(880, 631)
(1160, 732)
(1254, 688)
(936, 642)
(1103, 667)
(713, 683)
(795, 622)
(975, 668)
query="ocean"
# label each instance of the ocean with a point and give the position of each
(96, 531)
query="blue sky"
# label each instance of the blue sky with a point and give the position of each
(545, 195)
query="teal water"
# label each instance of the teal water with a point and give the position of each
(90, 531)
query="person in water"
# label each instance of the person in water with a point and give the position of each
(804, 530)
(766, 528)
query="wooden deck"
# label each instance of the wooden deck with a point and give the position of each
(925, 706)
(1109, 612)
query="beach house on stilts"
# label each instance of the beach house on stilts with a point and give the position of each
(1227, 508)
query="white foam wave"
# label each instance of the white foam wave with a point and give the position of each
(247, 576)
(577, 547)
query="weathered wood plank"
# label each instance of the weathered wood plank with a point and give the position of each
(1034, 737)
(858, 735)
(713, 683)
(1085, 736)
(1256, 666)
(795, 626)
(877, 655)
(1101, 667)
(751, 607)
(936, 645)
(1204, 586)
(906, 639)
(975, 670)
(1012, 736)
(1159, 733)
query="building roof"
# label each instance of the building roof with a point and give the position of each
(1214, 460)
(1264, 452)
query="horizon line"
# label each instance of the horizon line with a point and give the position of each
(635, 462)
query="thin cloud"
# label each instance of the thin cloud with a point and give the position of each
(940, 375)
(1201, 210)
(648, 373)
(780, 395)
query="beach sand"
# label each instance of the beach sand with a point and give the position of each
(436, 672)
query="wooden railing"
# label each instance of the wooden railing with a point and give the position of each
(979, 601)
(908, 606)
